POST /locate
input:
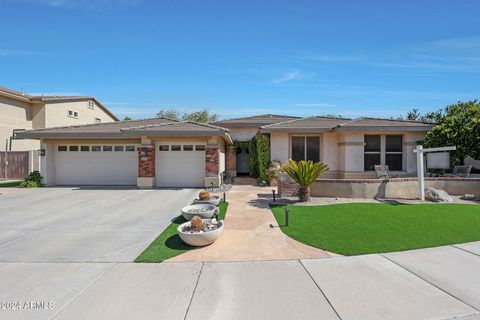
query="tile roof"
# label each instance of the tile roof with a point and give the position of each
(130, 128)
(255, 121)
(323, 124)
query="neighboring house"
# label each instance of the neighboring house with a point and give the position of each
(145, 153)
(244, 129)
(19, 111)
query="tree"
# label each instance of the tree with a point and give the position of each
(456, 125)
(127, 118)
(304, 173)
(202, 115)
(413, 115)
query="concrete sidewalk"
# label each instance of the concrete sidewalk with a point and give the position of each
(437, 283)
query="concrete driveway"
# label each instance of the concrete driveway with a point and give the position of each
(84, 224)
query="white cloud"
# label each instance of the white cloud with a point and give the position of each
(84, 4)
(287, 76)
(310, 56)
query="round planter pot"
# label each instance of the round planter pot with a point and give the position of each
(210, 210)
(215, 200)
(200, 239)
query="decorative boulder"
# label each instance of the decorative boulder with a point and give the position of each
(437, 195)
(470, 197)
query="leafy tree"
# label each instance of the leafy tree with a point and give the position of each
(456, 125)
(413, 114)
(304, 173)
(202, 115)
(169, 114)
(127, 118)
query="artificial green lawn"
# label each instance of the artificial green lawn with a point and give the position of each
(361, 228)
(168, 244)
(10, 183)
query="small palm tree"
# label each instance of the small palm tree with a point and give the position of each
(304, 173)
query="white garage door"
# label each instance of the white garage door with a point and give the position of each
(180, 165)
(96, 165)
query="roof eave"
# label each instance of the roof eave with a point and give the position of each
(389, 128)
(294, 130)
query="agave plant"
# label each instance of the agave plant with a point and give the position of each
(304, 173)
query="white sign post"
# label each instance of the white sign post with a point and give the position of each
(420, 173)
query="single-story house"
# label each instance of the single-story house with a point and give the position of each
(147, 153)
(167, 153)
(350, 147)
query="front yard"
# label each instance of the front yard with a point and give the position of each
(168, 244)
(362, 228)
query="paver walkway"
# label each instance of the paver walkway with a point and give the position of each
(248, 232)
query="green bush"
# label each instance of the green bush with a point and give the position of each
(263, 155)
(34, 180)
(253, 158)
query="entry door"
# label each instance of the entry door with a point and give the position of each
(242, 159)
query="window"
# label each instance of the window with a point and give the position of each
(393, 152)
(385, 150)
(96, 148)
(62, 148)
(73, 148)
(97, 120)
(164, 147)
(84, 148)
(176, 147)
(119, 148)
(306, 148)
(372, 152)
(129, 148)
(91, 105)
(188, 147)
(107, 148)
(200, 147)
(73, 114)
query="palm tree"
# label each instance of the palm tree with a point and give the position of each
(304, 173)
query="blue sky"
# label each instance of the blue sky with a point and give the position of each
(354, 58)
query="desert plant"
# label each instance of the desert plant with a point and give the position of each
(204, 195)
(196, 224)
(33, 180)
(304, 173)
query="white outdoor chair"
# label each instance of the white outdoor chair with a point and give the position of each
(461, 171)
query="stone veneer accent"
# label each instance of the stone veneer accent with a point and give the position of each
(146, 164)
(231, 161)
(211, 161)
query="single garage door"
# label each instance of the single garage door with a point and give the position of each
(180, 165)
(96, 165)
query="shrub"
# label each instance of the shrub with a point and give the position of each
(263, 155)
(34, 180)
(304, 173)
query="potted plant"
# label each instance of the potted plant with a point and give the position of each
(304, 173)
(273, 172)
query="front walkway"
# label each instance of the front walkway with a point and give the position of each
(251, 232)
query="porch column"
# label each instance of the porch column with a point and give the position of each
(212, 177)
(146, 166)
(231, 161)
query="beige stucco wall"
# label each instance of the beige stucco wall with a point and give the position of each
(243, 133)
(279, 147)
(15, 115)
(343, 152)
(56, 114)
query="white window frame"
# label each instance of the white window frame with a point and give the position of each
(72, 114)
(98, 120)
(91, 105)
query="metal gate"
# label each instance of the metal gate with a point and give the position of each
(14, 164)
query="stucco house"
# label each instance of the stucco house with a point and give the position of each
(167, 153)
(20, 111)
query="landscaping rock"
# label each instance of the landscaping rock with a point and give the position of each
(470, 197)
(435, 195)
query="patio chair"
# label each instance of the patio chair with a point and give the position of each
(382, 171)
(461, 171)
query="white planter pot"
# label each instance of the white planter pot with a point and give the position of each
(210, 211)
(200, 239)
(215, 200)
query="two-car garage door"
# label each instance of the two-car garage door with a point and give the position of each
(96, 165)
(177, 165)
